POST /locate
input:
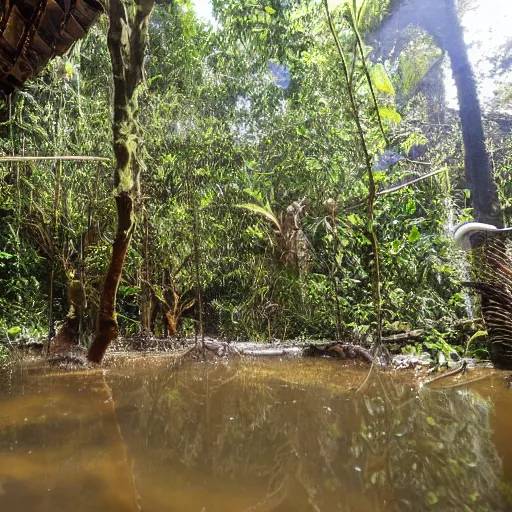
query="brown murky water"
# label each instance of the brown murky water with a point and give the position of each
(286, 436)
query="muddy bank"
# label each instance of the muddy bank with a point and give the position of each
(424, 362)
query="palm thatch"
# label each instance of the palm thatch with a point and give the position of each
(493, 281)
(34, 31)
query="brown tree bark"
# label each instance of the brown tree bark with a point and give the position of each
(67, 338)
(146, 297)
(126, 42)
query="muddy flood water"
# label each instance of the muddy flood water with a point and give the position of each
(280, 436)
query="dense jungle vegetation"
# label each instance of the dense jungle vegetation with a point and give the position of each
(301, 174)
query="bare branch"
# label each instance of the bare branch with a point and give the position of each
(403, 185)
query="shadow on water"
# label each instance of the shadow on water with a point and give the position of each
(286, 436)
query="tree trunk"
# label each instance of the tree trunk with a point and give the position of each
(126, 42)
(439, 18)
(479, 174)
(478, 166)
(107, 322)
(67, 339)
(146, 297)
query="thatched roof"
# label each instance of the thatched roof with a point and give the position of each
(34, 31)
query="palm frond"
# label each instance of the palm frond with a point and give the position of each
(262, 210)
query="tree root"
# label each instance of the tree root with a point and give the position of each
(460, 369)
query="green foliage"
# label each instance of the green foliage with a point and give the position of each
(436, 342)
(4, 354)
(416, 60)
(14, 331)
(380, 79)
(239, 123)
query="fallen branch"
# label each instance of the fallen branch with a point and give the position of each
(359, 201)
(290, 351)
(451, 373)
(407, 184)
(222, 348)
(334, 350)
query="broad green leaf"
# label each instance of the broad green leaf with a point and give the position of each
(14, 331)
(379, 176)
(128, 290)
(380, 79)
(396, 246)
(270, 10)
(414, 234)
(153, 78)
(301, 130)
(69, 68)
(354, 219)
(390, 115)
(478, 334)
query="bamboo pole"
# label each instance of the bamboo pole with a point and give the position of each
(54, 158)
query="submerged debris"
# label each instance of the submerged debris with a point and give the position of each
(70, 361)
(339, 350)
(411, 361)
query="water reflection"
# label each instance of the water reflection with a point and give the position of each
(255, 436)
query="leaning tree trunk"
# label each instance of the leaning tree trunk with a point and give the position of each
(126, 41)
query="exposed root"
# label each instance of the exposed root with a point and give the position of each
(460, 369)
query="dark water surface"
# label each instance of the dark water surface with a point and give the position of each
(287, 436)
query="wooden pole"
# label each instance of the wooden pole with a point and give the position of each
(54, 158)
